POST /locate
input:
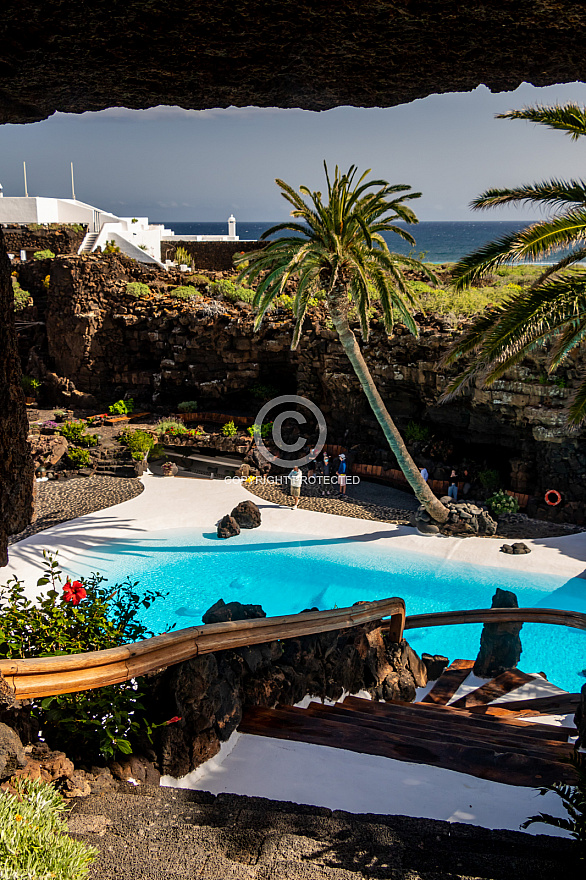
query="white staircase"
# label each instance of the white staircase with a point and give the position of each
(87, 245)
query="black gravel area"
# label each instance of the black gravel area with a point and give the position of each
(363, 501)
(58, 501)
(155, 833)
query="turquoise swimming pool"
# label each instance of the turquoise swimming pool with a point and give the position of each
(286, 573)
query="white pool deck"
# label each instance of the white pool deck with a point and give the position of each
(299, 772)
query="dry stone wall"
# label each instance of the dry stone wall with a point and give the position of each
(62, 240)
(163, 351)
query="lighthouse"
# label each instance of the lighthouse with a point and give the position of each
(232, 226)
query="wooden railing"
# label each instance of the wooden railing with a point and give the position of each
(65, 674)
(555, 616)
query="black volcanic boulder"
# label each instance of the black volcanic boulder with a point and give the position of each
(247, 515)
(500, 645)
(228, 527)
(222, 612)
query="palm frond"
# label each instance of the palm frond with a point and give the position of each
(570, 118)
(549, 193)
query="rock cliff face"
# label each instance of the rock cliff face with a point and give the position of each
(77, 56)
(16, 466)
(163, 351)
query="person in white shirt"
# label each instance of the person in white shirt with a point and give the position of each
(295, 481)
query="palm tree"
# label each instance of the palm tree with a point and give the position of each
(553, 309)
(338, 247)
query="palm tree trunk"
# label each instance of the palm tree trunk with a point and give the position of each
(422, 491)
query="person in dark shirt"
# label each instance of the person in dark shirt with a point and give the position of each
(341, 474)
(453, 485)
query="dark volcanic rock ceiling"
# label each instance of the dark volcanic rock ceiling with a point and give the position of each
(316, 54)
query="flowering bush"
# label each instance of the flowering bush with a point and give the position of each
(82, 615)
(500, 503)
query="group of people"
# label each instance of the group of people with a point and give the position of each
(321, 469)
(453, 481)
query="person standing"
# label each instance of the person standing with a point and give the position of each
(453, 485)
(311, 465)
(341, 474)
(295, 481)
(424, 473)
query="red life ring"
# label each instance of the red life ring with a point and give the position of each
(556, 497)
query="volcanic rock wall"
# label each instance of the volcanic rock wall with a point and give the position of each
(163, 351)
(61, 240)
(16, 466)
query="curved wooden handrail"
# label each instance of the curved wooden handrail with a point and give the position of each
(68, 673)
(556, 616)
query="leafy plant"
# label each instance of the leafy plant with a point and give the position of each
(229, 429)
(185, 292)
(33, 840)
(489, 479)
(416, 433)
(228, 290)
(73, 431)
(44, 255)
(79, 458)
(168, 426)
(121, 407)
(187, 406)
(183, 257)
(262, 391)
(82, 615)
(30, 385)
(500, 503)
(264, 430)
(111, 247)
(22, 298)
(574, 800)
(138, 290)
(138, 442)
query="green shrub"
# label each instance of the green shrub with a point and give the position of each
(138, 290)
(229, 429)
(121, 407)
(170, 426)
(187, 406)
(86, 724)
(157, 452)
(416, 433)
(72, 431)
(227, 290)
(44, 255)
(79, 458)
(500, 503)
(34, 844)
(111, 247)
(22, 298)
(185, 292)
(138, 442)
(489, 479)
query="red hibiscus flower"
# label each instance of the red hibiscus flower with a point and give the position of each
(73, 592)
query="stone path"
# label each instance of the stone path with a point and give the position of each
(58, 501)
(154, 833)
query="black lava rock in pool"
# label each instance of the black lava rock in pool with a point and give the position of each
(222, 612)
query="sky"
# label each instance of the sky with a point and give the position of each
(172, 164)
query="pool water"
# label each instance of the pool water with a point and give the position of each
(287, 573)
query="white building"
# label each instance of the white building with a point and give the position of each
(135, 236)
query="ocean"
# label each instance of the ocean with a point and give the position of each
(436, 241)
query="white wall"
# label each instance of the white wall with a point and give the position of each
(18, 209)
